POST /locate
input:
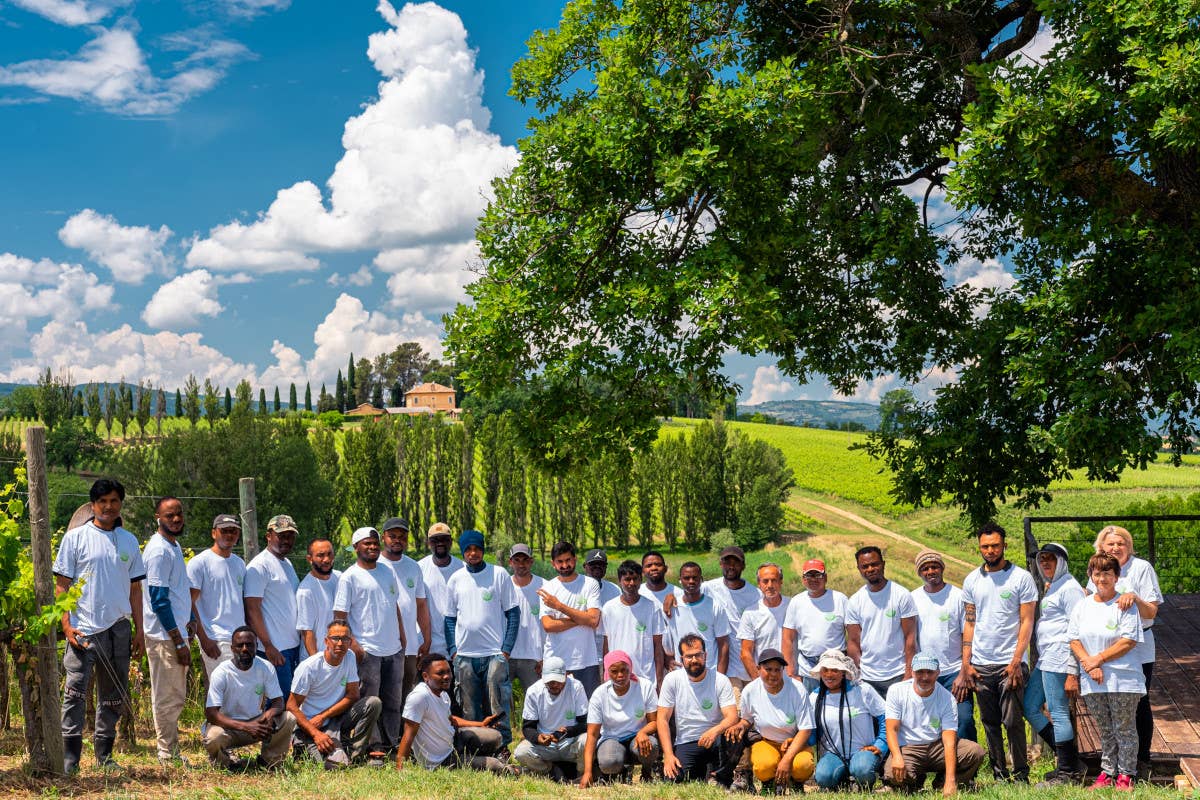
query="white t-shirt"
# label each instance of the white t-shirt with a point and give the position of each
(165, 567)
(552, 713)
(922, 719)
(1054, 648)
(434, 741)
(850, 713)
(370, 598)
(940, 617)
(435, 594)
(274, 580)
(314, 604)
(621, 717)
(219, 581)
(412, 588)
(762, 625)
(1138, 576)
(608, 591)
(107, 562)
(705, 617)
(661, 595)
(697, 705)
(479, 600)
(531, 638)
(777, 716)
(577, 646)
(882, 639)
(321, 683)
(820, 625)
(243, 694)
(632, 629)
(997, 597)
(735, 602)
(1098, 625)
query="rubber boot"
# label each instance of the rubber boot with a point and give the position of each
(1069, 765)
(72, 752)
(104, 748)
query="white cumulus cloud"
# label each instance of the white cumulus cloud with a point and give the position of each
(131, 253)
(431, 277)
(71, 12)
(770, 384)
(183, 301)
(360, 277)
(39, 289)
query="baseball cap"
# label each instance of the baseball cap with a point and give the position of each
(282, 522)
(439, 529)
(226, 521)
(594, 556)
(363, 533)
(925, 660)
(1055, 548)
(520, 550)
(733, 550)
(771, 654)
(554, 669)
(394, 522)
(813, 565)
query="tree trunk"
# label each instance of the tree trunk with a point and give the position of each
(4, 696)
(34, 706)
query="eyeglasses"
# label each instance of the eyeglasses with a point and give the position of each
(338, 639)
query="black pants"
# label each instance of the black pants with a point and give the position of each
(1001, 709)
(697, 763)
(107, 654)
(1145, 717)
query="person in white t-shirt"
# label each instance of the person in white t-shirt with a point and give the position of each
(703, 615)
(333, 722)
(850, 726)
(436, 569)
(1000, 601)
(814, 622)
(777, 710)
(270, 597)
(414, 603)
(922, 723)
(940, 619)
(436, 738)
(700, 701)
(595, 566)
(315, 595)
(554, 724)
(621, 721)
(525, 661)
(245, 706)
(737, 596)
(482, 620)
(881, 624)
(761, 626)
(633, 624)
(217, 575)
(570, 616)
(656, 587)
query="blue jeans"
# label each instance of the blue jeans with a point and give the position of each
(832, 772)
(291, 660)
(1047, 687)
(484, 688)
(966, 709)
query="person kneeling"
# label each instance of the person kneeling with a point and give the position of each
(333, 724)
(555, 719)
(922, 732)
(777, 717)
(701, 702)
(437, 738)
(621, 722)
(235, 707)
(851, 726)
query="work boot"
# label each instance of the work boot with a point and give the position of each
(72, 752)
(104, 748)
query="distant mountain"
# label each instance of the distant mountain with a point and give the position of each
(7, 388)
(817, 413)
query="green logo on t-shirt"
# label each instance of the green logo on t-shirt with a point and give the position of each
(641, 712)
(535, 609)
(410, 583)
(854, 712)
(240, 579)
(570, 715)
(1043, 605)
(935, 722)
(890, 613)
(343, 682)
(830, 617)
(1006, 595)
(125, 557)
(1112, 625)
(790, 719)
(392, 590)
(640, 627)
(702, 627)
(581, 602)
(260, 688)
(706, 704)
(487, 595)
(944, 616)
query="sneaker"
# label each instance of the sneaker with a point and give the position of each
(1103, 781)
(1125, 783)
(741, 783)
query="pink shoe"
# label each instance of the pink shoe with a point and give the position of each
(1103, 781)
(1125, 783)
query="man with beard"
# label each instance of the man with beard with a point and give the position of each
(525, 661)
(414, 607)
(368, 597)
(314, 598)
(702, 615)
(881, 624)
(736, 595)
(1000, 599)
(217, 575)
(436, 569)
(244, 706)
(700, 700)
(570, 615)
(270, 593)
(106, 558)
(167, 608)
(815, 622)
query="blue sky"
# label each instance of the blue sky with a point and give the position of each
(252, 188)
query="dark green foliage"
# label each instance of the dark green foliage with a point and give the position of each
(73, 443)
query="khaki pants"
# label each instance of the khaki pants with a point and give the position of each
(921, 759)
(211, 663)
(218, 742)
(168, 693)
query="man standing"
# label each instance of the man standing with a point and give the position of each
(314, 598)
(436, 569)
(633, 624)
(270, 594)
(815, 622)
(244, 706)
(881, 624)
(525, 661)
(414, 608)
(595, 566)
(217, 575)
(921, 721)
(701, 702)
(940, 618)
(554, 724)
(761, 627)
(333, 723)
(106, 558)
(999, 598)
(368, 597)
(702, 615)
(482, 619)
(167, 608)
(570, 614)
(736, 595)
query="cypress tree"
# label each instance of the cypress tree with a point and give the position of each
(340, 394)
(308, 397)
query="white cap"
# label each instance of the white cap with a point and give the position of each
(554, 669)
(363, 533)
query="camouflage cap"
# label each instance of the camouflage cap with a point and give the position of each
(282, 522)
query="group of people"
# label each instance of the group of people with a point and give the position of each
(722, 680)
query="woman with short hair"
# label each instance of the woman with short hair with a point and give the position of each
(850, 726)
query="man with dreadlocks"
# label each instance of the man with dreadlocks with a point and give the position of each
(851, 730)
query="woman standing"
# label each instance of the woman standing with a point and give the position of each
(621, 721)
(1103, 637)
(1137, 585)
(849, 724)
(1055, 678)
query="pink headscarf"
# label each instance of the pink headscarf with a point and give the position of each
(619, 655)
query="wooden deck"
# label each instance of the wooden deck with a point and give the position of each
(1174, 695)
